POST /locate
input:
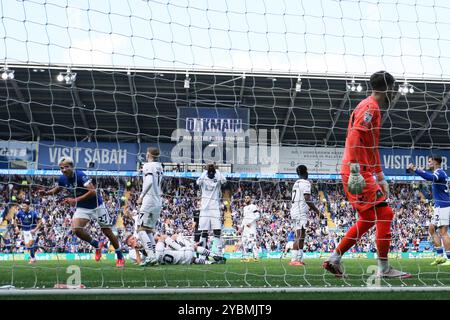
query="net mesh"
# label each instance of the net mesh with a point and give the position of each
(101, 81)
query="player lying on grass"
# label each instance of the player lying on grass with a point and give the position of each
(441, 210)
(173, 250)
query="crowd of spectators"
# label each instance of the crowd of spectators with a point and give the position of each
(181, 199)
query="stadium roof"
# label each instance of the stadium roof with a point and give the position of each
(118, 104)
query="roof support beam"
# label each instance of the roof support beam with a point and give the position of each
(390, 108)
(427, 124)
(26, 109)
(79, 104)
(337, 115)
(288, 115)
(241, 92)
(134, 105)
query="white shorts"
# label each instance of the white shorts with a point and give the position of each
(148, 216)
(27, 237)
(290, 245)
(100, 214)
(132, 255)
(441, 216)
(298, 224)
(210, 220)
(248, 241)
(183, 256)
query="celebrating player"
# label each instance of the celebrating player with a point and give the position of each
(89, 204)
(248, 229)
(301, 203)
(441, 210)
(29, 222)
(360, 162)
(210, 183)
(151, 207)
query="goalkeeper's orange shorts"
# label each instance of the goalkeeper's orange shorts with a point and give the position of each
(371, 196)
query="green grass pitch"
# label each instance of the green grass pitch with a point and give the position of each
(265, 273)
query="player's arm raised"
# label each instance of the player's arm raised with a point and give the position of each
(201, 178)
(434, 177)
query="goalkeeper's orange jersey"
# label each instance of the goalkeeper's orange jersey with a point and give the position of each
(363, 136)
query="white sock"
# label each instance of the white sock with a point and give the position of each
(203, 251)
(255, 252)
(219, 245)
(294, 254)
(173, 244)
(300, 255)
(147, 243)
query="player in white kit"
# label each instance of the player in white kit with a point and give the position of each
(210, 182)
(174, 249)
(301, 203)
(151, 204)
(248, 229)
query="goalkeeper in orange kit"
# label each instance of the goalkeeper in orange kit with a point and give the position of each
(367, 195)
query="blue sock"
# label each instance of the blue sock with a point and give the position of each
(447, 253)
(439, 251)
(119, 254)
(94, 243)
(32, 252)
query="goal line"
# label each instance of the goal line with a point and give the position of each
(152, 291)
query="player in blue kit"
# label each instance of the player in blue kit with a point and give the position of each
(29, 222)
(89, 207)
(441, 211)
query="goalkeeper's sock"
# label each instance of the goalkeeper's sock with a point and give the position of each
(119, 254)
(439, 251)
(94, 243)
(32, 252)
(294, 255)
(335, 257)
(383, 265)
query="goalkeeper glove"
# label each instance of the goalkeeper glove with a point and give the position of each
(385, 187)
(356, 182)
